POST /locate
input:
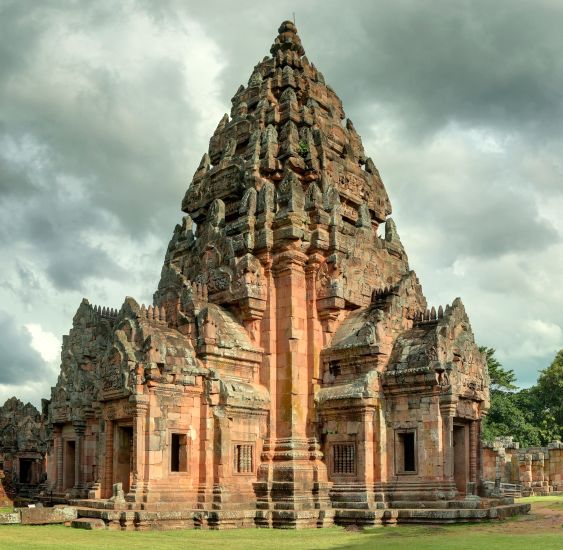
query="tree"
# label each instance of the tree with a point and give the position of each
(508, 414)
(550, 390)
(502, 380)
(533, 416)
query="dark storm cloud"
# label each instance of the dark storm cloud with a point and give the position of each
(19, 363)
(106, 108)
(89, 140)
(477, 62)
(95, 122)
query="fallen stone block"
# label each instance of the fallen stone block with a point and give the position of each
(43, 516)
(9, 518)
(88, 523)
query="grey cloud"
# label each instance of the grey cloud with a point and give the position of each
(111, 130)
(19, 362)
(107, 144)
(479, 63)
(126, 139)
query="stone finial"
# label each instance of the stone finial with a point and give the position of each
(216, 214)
(364, 216)
(222, 123)
(203, 166)
(248, 203)
(313, 197)
(287, 39)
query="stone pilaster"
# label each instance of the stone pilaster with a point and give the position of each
(447, 410)
(79, 429)
(58, 439)
(473, 450)
(292, 485)
(108, 466)
(140, 407)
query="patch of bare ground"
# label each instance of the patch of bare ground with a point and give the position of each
(546, 516)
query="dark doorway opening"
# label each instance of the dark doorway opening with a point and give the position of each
(461, 458)
(407, 444)
(69, 464)
(26, 470)
(179, 453)
(123, 456)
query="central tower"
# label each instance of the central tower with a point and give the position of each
(289, 372)
(287, 207)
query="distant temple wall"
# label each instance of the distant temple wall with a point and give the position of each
(536, 469)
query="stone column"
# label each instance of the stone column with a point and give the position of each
(141, 405)
(473, 444)
(447, 410)
(107, 478)
(478, 435)
(79, 429)
(268, 341)
(292, 480)
(292, 387)
(58, 440)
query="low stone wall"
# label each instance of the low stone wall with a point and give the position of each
(39, 516)
(535, 469)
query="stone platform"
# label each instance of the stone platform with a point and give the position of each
(176, 518)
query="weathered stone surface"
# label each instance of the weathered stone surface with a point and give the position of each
(289, 371)
(43, 516)
(9, 518)
(509, 469)
(87, 523)
(23, 446)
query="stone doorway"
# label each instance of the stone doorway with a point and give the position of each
(123, 449)
(69, 464)
(461, 457)
(26, 470)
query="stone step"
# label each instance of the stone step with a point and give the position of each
(88, 523)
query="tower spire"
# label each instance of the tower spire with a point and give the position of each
(287, 39)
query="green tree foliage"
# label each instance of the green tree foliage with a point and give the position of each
(550, 389)
(502, 380)
(533, 416)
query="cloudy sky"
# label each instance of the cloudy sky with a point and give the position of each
(106, 108)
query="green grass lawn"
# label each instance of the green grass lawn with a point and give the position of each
(451, 537)
(521, 533)
(541, 500)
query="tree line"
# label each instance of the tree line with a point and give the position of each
(533, 416)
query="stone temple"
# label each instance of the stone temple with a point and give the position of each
(289, 372)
